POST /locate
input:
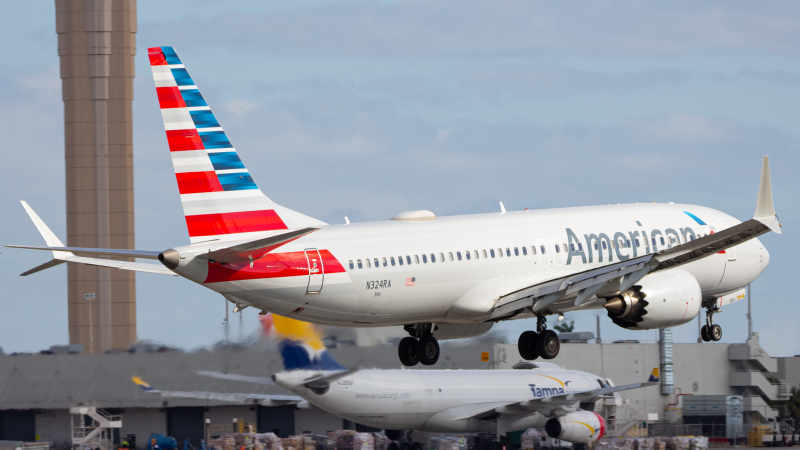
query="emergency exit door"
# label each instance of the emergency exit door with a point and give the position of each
(316, 271)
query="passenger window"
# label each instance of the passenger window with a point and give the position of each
(533, 250)
(451, 255)
(558, 250)
(604, 245)
(500, 252)
(351, 264)
(525, 251)
(384, 262)
(391, 260)
(627, 243)
(433, 257)
(565, 247)
(636, 241)
(408, 259)
(416, 259)
(508, 252)
(572, 248)
(516, 251)
(692, 237)
(441, 257)
(368, 263)
(595, 244)
(466, 253)
(424, 259)
(458, 255)
(491, 252)
(543, 249)
(654, 242)
(484, 254)
(376, 263)
(400, 260)
(359, 264)
(580, 247)
(612, 244)
(662, 240)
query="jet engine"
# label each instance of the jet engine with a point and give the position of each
(660, 300)
(579, 427)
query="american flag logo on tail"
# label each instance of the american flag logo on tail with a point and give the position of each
(220, 199)
(411, 281)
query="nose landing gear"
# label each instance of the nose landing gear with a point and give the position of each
(542, 342)
(711, 331)
(420, 347)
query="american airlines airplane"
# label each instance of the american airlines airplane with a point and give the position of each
(649, 265)
(533, 395)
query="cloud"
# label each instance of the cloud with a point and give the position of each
(432, 29)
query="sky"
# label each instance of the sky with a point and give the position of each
(366, 109)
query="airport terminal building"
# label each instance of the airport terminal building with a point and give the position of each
(37, 391)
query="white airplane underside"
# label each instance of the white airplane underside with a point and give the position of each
(649, 265)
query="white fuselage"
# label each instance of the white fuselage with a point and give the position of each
(437, 282)
(443, 400)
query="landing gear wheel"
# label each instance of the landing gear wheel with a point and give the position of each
(527, 345)
(428, 350)
(408, 351)
(704, 334)
(715, 332)
(394, 435)
(548, 344)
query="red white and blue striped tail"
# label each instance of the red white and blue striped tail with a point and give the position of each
(220, 199)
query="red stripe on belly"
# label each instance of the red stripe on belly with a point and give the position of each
(232, 223)
(271, 265)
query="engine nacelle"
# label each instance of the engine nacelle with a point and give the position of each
(660, 300)
(579, 427)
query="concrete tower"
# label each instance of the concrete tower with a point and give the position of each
(96, 46)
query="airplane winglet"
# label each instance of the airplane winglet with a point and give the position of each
(49, 237)
(765, 209)
(143, 384)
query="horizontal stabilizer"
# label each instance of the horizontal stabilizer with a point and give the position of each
(251, 250)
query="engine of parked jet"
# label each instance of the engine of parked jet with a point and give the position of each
(579, 427)
(660, 300)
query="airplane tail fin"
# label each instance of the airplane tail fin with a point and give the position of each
(219, 196)
(300, 344)
(653, 376)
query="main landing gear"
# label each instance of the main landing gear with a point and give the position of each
(420, 347)
(711, 331)
(542, 342)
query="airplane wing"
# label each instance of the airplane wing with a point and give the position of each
(620, 276)
(542, 405)
(62, 254)
(270, 399)
(236, 377)
(240, 252)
